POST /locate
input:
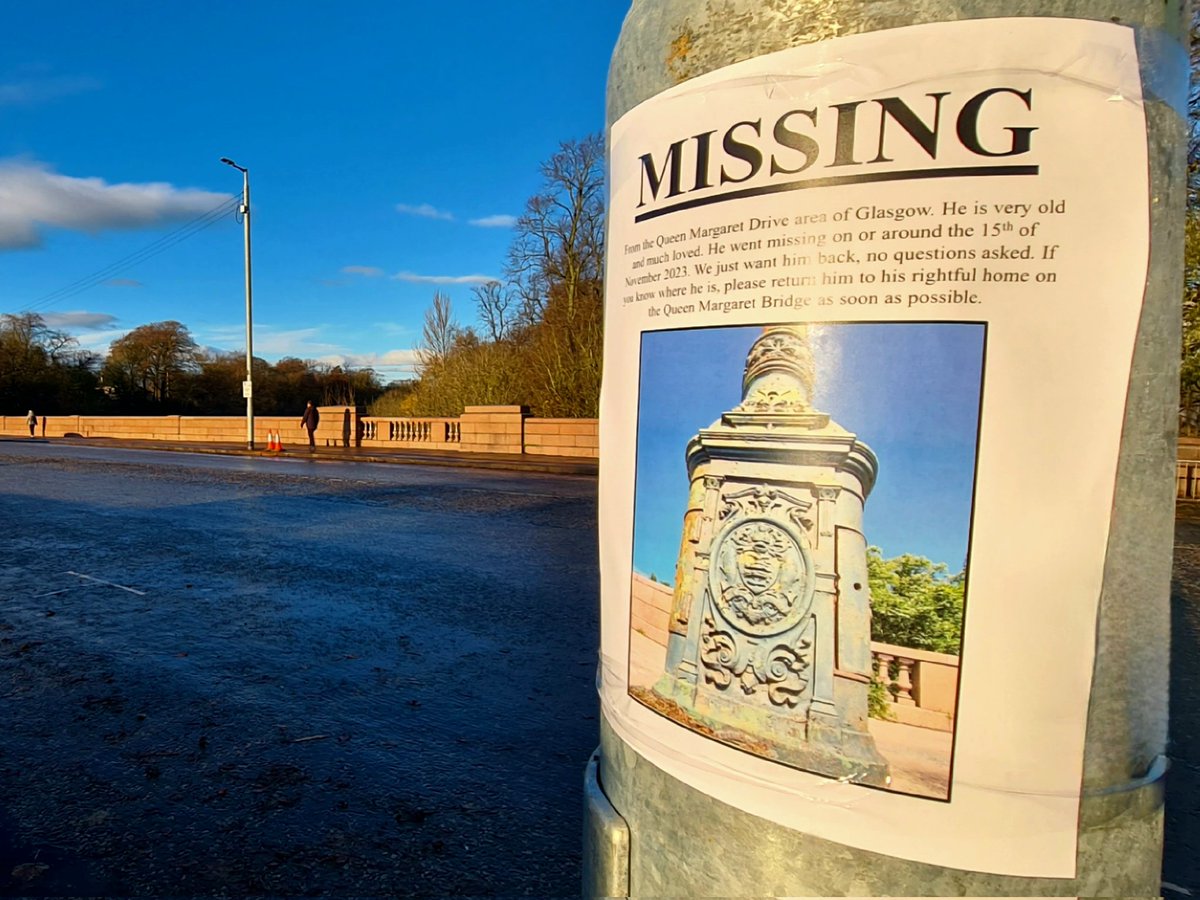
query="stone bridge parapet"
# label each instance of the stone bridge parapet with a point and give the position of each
(480, 429)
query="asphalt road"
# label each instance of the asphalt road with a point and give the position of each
(228, 676)
(224, 676)
(1181, 855)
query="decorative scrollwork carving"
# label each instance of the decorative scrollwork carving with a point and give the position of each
(786, 673)
(800, 518)
(718, 654)
(761, 500)
(782, 669)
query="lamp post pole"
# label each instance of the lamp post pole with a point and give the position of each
(670, 810)
(248, 386)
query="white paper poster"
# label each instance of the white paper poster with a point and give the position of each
(870, 313)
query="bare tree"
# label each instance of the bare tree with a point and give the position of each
(542, 329)
(560, 236)
(438, 335)
(556, 267)
(26, 339)
(492, 301)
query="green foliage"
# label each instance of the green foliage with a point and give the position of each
(394, 401)
(914, 603)
(879, 700)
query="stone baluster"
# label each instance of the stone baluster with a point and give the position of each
(883, 671)
(904, 681)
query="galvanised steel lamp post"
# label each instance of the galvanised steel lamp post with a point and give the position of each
(248, 385)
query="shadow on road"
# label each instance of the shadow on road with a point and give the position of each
(1181, 857)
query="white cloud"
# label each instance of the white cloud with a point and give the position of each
(414, 278)
(425, 210)
(303, 343)
(32, 196)
(392, 359)
(269, 343)
(42, 90)
(124, 282)
(394, 328)
(99, 341)
(365, 271)
(499, 221)
(85, 320)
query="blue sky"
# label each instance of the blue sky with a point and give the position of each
(389, 145)
(909, 391)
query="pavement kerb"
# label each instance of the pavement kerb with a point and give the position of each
(511, 462)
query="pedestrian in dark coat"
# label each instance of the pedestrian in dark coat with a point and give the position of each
(31, 421)
(309, 420)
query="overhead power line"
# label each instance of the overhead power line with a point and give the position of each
(164, 243)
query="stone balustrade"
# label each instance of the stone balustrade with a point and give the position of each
(1187, 479)
(481, 429)
(400, 432)
(922, 685)
(1187, 469)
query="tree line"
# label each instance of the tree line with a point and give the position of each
(536, 340)
(158, 369)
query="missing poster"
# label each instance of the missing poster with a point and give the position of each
(870, 313)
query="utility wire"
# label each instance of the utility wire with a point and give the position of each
(164, 243)
(167, 241)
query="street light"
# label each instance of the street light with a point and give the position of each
(248, 385)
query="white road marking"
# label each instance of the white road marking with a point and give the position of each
(109, 583)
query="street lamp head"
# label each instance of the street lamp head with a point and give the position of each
(230, 162)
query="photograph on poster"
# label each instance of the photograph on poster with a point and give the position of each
(802, 519)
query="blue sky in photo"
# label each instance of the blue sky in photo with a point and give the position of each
(390, 146)
(909, 391)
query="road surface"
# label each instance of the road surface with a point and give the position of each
(232, 676)
(229, 676)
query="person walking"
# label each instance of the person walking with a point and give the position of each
(31, 421)
(309, 420)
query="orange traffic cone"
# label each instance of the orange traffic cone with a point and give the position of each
(279, 442)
